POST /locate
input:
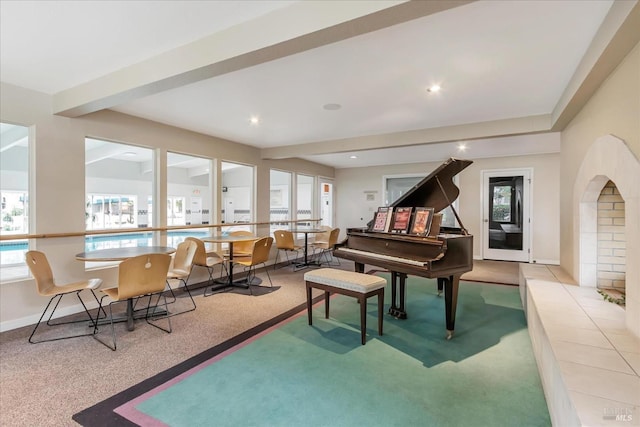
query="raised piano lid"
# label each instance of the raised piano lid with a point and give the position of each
(437, 190)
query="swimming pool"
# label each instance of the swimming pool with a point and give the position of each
(12, 253)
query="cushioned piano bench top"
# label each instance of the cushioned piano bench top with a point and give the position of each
(358, 285)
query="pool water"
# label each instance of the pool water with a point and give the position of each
(12, 253)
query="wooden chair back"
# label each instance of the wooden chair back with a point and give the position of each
(261, 249)
(333, 237)
(183, 258)
(142, 275)
(242, 248)
(200, 255)
(284, 239)
(41, 271)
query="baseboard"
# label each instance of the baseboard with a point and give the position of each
(31, 320)
(546, 261)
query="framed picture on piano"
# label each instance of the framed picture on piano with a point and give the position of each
(382, 219)
(401, 220)
(421, 221)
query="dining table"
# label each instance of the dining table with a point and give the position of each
(306, 231)
(121, 254)
(230, 239)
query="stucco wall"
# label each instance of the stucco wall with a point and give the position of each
(614, 109)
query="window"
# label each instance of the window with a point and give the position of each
(237, 194)
(396, 186)
(105, 211)
(304, 209)
(119, 191)
(14, 198)
(280, 201)
(175, 210)
(501, 211)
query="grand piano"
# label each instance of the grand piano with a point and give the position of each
(445, 254)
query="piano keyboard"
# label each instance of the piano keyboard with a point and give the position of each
(386, 257)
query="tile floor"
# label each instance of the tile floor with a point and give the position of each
(583, 346)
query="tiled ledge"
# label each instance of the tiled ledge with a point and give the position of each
(589, 362)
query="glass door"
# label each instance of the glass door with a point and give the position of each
(506, 215)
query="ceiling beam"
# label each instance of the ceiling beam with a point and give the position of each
(490, 129)
(300, 27)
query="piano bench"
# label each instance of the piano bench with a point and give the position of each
(350, 283)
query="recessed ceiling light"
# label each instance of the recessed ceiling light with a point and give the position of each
(353, 157)
(129, 154)
(332, 107)
(434, 89)
(462, 147)
(254, 120)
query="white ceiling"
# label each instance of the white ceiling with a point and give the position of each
(497, 62)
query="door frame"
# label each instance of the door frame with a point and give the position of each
(332, 216)
(525, 254)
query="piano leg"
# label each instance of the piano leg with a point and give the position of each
(395, 310)
(451, 285)
(359, 267)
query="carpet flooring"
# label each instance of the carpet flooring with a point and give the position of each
(45, 384)
(284, 372)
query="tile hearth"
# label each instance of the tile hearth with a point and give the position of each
(589, 362)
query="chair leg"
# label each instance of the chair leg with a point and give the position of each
(222, 268)
(113, 329)
(275, 263)
(49, 323)
(175, 299)
(250, 276)
(173, 295)
(154, 319)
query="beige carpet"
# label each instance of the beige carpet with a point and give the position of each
(45, 384)
(493, 272)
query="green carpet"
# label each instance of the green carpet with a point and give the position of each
(321, 375)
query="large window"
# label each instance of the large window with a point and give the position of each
(237, 195)
(106, 211)
(14, 198)
(119, 190)
(280, 200)
(305, 197)
(188, 190)
(189, 196)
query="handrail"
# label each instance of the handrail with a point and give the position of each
(146, 229)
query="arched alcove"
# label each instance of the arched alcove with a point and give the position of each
(608, 159)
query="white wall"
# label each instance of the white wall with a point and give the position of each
(355, 211)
